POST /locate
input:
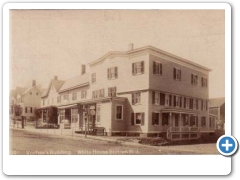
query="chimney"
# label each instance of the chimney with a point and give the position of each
(130, 46)
(33, 83)
(55, 78)
(83, 69)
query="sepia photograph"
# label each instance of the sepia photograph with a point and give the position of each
(116, 81)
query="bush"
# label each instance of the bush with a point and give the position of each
(157, 141)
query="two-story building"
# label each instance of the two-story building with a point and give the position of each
(143, 91)
(28, 99)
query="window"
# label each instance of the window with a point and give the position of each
(211, 122)
(193, 120)
(162, 99)
(119, 112)
(74, 116)
(185, 119)
(59, 99)
(138, 119)
(61, 114)
(155, 118)
(98, 94)
(186, 103)
(84, 94)
(138, 68)
(74, 96)
(204, 82)
(93, 77)
(177, 101)
(136, 98)
(30, 93)
(48, 101)
(167, 99)
(112, 92)
(112, 73)
(177, 74)
(101, 93)
(52, 100)
(194, 79)
(37, 94)
(26, 109)
(165, 117)
(98, 113)
(65, 96)
(203, 121)
(156, 98)
(157, 68)
(204, 105)
(195, 104)
(43, 102)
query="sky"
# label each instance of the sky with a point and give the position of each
(48, 43)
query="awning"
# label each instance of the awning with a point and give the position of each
(68, 106)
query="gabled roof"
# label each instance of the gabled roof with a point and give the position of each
(216, 102)
(37, 87)
(75, 82)
(56, 83)
(146, 48)
(18, 90)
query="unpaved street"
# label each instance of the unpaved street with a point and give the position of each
(24, 142)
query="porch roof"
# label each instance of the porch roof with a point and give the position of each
(180, 111)
(46, 107)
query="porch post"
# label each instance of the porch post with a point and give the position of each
(170, 119)
(180, 120)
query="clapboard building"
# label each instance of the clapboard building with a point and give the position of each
(143, 91)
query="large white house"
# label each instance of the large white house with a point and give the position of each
(143, 91)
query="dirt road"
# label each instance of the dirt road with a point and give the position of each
(24, 142)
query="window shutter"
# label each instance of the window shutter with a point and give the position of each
(109, 92)
(206, 105)
(170, 100)
(153, 97)
(153, 118)
(132, 119)
(142, 122)
(180, 105)
(160, 69)
(202, 82)
(142, 67)
(115, 91)
(191, 78)
(162, 99)
(154, 67)
(174, 73)
(108, 73)
(184, 104)
(174, 101)
(180, 75)
(201, 104)
(116, 72)
(196, 103)
(133, 98)
(133, 71)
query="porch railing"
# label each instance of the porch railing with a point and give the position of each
(183, 129)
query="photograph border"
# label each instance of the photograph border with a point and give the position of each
(115, 164)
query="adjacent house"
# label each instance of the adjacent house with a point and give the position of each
(217, 108)
(143, 91)
(27, 98)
